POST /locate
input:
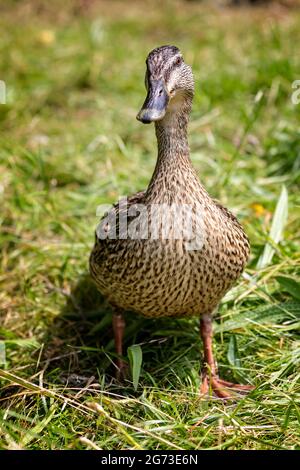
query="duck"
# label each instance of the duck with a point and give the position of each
(171, 250)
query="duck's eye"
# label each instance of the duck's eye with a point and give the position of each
(178, 61)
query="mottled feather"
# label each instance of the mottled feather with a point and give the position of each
(162, 277)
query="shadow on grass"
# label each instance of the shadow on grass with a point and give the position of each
(81, 346)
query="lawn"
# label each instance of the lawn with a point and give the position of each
(69, 142)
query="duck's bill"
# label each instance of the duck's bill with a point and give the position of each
(156, 102)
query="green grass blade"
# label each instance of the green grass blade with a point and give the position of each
(135, 356)
(267, 314)
(289, 285)
(232, 353)
(276, 232)
(36, 431)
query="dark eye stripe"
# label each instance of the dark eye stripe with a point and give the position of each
(171, 67)
(168, 73)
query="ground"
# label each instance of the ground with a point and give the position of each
(70, 142)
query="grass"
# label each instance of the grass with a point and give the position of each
(69, 141)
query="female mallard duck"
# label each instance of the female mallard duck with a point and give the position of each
(139, 262)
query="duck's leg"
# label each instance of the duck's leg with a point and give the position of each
(210, 379)
(119, 328)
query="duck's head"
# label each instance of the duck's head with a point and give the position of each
(169, 82)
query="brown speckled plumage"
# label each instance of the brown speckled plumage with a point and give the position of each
(161, 277)
(154, 271)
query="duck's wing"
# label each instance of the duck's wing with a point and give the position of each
(236, 237)
(109, 226)
(228, 214)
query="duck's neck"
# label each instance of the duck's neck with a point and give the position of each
(172, 141)
(173, 170)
